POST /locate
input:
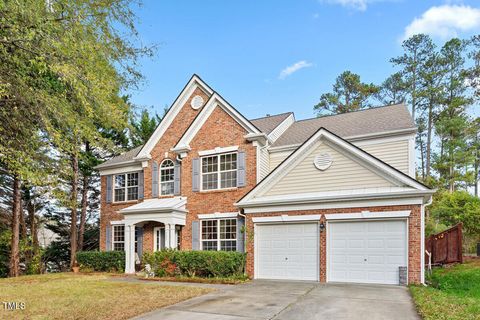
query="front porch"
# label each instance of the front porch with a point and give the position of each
(164, 216)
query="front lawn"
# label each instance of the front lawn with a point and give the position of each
(454, 293)
(83, 296)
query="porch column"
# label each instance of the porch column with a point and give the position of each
(170, 239)
(130, 248)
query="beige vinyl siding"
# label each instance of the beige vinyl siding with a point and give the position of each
(394, 153)
(343, 174)
(277, 157)
(264, 164)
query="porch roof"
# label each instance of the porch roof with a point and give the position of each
(158, 205)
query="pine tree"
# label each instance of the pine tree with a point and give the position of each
(393, 90)
(349, 94)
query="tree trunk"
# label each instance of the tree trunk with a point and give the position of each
(23, 225)
(429, 141)
(32, 219)
(14, 266)
(73, 208)
(83, 216)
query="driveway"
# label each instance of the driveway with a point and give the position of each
(294, 300)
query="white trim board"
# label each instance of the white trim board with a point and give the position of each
(287, 218)
(218, 215)
(368, 215)
(217, 150)
(194, 83)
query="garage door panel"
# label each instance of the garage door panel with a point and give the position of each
(294, 252)
(372, 256)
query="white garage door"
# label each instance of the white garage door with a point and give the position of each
(366, 252)
(287, 251)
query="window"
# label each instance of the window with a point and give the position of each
(118, 243)
(219, 234)
(219, 171)
(126, 187)
(167, 177)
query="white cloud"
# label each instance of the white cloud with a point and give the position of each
(445, 21)
(360, 5)
(294, 68)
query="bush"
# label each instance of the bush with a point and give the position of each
(105, 261)
(206, 264)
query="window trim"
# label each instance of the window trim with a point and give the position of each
(160, 176)
(219, 240)
(125, 174)
(218, 172)
(113, 236)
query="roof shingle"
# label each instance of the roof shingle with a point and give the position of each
(364, 122)
(269, 123)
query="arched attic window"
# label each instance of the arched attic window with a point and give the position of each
(167, 177)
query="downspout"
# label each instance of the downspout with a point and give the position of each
(422, 246)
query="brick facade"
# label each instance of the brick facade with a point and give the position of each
(414, 231)
(220, 130)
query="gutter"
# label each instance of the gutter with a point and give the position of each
(333, 198)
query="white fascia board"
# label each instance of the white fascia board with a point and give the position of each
(187, 91)
(218, 215)
(215, 101)
(300, 199)
(287, 218)
(368, 215)
(281, 128)
(335, 205)
(262, 138)
(218, 150)
(121, 169)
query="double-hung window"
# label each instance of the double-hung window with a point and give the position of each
(167, 177)
(126, 187)
(118, 238)
(219, 234)
(219, 171)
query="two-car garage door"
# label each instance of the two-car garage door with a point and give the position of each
(357, 251)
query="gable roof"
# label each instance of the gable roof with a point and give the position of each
(194, 82)
(371, 121)
(376, 164)
(215, 100)
(127, 156)
(268, 123)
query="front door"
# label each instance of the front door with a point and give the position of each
(158, 238)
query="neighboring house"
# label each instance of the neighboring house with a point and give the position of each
(325, 199)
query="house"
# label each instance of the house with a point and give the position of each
(330, 199)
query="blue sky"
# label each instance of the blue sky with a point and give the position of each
(240, 48)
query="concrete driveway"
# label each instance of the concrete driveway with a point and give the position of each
(294, 300)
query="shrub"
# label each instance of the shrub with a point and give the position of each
(206, 264)
(105, 261)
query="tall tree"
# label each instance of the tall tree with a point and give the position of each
(349, 94)
(14, 269)
(452, 124)
(417, 50)
(142, 127)
(431, 80)
(393, 89)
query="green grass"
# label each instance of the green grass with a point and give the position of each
(453, 293)
(86, 296)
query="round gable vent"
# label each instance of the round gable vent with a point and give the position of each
(323, 161)
(196, 102)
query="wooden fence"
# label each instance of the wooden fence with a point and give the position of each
(445, 247)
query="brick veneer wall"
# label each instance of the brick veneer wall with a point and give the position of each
(414, 236)
(220, 130)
